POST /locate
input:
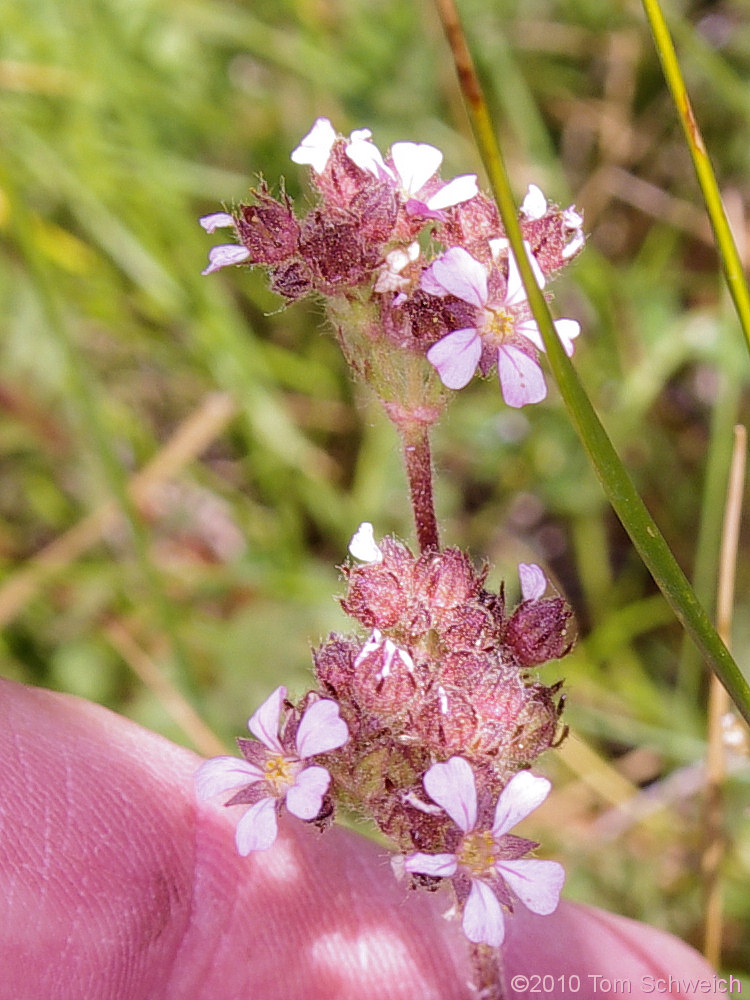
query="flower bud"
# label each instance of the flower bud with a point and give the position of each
(468, 627)
(447, 721)
(268, 229)
(445, 580)
(384, 679)
(379, 594)
(334, 249)
(537, 631)
(334, 665)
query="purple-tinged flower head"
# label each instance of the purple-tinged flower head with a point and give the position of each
(336, 250)
(447, 721)
(275, 769)
(488, 868)
(268, 228)
(379, 592)
(537, 631)
(408, 595)
(555, 236)
(504, 331)
(353, 175)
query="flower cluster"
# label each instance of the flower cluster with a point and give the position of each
(427, 718)
(460, 303)
(436, 697)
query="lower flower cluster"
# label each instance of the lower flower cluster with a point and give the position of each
(426, 725)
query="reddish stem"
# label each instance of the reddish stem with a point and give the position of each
(419, 471)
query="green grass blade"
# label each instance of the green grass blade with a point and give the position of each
(612, 474)
(726, 246)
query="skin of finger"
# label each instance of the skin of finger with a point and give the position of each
(582, 951)
(115, 883)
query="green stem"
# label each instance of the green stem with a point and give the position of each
(612, 474)
(726, 246)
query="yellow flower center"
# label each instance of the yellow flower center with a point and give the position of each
(496, 327)
(478, 852)
(280, 772)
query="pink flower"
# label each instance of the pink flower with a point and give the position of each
(491, 859)
(226, 254)
(505, 329)
(274, 770)
(533, 581)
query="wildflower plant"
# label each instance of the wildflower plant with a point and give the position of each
(427, 718)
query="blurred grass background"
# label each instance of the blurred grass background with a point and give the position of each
(121, 122)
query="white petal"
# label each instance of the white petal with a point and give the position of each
(483, 920)
(533, 581)
(521, 378)
(523, 793)
(415, 163)
(452, 786)
(534, 205)
(567, 331)
(223, 256)
(316, 147)
(572, 218)
(456, 357)
(373, 643)
(516, 292)
(438, 865)
(264, 723)
(321, 729)
(572, 248)
(457, 273)
(536, 883)
(455, 192)
(366, 155)
(257, 829)
(305, 797)
(216, 221)
(222, 773)
(363, 546)
(405, 658)
(498, 245)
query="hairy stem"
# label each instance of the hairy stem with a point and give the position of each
(486, 964)
(416, 443)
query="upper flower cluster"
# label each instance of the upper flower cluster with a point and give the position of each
(460, 302)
